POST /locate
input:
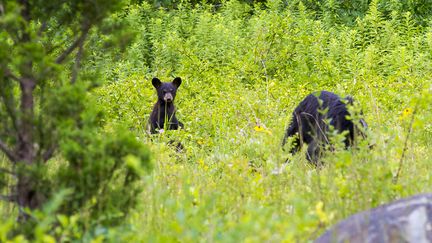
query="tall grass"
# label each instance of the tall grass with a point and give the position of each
(245, 67)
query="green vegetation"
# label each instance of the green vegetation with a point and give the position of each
(244, 68)
(61, 171)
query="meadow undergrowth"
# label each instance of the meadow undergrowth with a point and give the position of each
(244, 69)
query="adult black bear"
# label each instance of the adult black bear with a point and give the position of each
(163, 114)
(312, 119)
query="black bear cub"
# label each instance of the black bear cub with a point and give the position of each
(163, 114)
(312, 119)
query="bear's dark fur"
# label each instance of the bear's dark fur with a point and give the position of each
(309, 123)
(164, 110)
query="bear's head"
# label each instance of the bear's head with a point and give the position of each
(166, 91)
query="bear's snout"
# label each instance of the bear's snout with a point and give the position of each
(168, 97)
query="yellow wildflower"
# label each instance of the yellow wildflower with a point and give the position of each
(259, 128)
(406, 113)
(320, 212)
(203, 165)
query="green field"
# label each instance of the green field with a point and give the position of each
(245, 68)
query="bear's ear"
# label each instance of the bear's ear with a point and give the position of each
(177, 81)
(156, 82)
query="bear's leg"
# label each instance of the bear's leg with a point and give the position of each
(292, 130)
(313, 152)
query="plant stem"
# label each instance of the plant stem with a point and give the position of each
(405, 148)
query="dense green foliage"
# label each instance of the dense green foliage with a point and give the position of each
(244, 69)
(60, 165)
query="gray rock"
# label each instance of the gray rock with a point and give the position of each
(405, 220)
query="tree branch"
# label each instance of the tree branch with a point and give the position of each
(11, 156)
(9, 103)
(42, 28)
(10, 108)
(1, 9)
(49, 153)
(8, 198)
(77, 63)
(78, 42)
(25, 11)
(3, 170)
(8, 73)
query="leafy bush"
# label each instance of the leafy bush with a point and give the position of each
(61, 168)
